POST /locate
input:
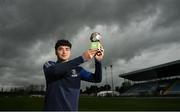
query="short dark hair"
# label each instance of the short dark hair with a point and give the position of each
(62, 42)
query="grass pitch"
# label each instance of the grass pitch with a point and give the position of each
(98, 103)
(130, 103)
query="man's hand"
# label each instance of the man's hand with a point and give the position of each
(89, 54)
(100, 54)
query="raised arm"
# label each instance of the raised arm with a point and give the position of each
(58, 70)
(95, 77)
(54, 71)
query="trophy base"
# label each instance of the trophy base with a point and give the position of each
(95, 45)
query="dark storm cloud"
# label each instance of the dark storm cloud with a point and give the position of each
(168, 14)
(135, 44)
(164, 30)
(26, 23)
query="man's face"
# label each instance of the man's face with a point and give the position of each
(63, 53)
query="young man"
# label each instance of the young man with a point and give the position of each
(64, 76)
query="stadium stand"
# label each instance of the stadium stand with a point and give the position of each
(174, 89)
(161, 80)
(141, 89)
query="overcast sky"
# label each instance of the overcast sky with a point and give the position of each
(136, 34)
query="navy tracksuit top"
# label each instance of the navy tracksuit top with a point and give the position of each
(63, 83)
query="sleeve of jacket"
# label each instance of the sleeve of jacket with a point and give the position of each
(92, 77)
(58, 70)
